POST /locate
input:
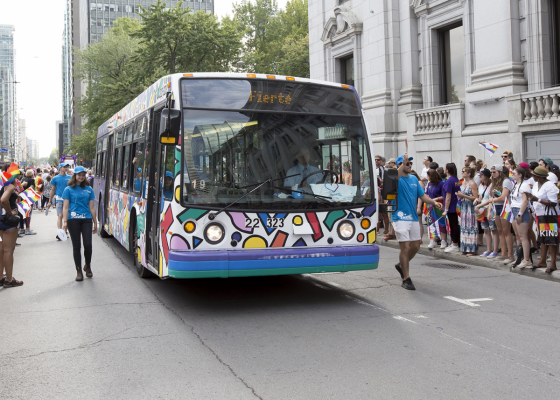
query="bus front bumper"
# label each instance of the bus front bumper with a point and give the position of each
(236, 263)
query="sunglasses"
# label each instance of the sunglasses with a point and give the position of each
(464, 171)
(408, 164)
(376, 160)
(504, 156)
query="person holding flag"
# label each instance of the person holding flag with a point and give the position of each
(405, 219)
(58, 184)
(436, 226)
(8, 225)
(486, 215)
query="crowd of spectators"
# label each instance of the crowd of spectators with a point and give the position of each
(503, 212)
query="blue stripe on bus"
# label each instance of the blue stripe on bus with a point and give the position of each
(344, 257)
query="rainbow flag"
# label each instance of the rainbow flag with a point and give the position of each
(32, 194)
(481, 214)
(511, 177)
(24, 208)
(29, 196)
(447, 227)
(506, 212)
(458, 208)
(10, 175)
(489, 147)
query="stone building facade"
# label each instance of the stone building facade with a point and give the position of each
(442, 75)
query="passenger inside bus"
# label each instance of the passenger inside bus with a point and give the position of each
(168, 185)
(302, 170)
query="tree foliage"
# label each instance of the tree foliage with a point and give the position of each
(177, 40)
(276, 41)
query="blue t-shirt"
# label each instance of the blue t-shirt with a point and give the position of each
(79, 198)
(435, 191)
(60, 182)
(409, 191)
(452, 185)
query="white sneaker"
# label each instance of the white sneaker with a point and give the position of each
(451, 249)
(432, 244)
(443, 244)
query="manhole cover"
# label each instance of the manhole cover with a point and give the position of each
(447, 265)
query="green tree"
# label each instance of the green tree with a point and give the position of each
(275, 41)
(109, 71)
(53, 157)
(177, 40)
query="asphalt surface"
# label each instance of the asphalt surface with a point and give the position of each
(355, 335)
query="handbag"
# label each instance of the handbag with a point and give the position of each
(547, 226)
(11, 220)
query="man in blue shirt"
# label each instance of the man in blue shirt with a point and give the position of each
(302, 170)
(58, 184)
(405, 220)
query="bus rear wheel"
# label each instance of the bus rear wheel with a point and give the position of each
(134, 251)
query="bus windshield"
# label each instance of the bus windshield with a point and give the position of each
(311, 161)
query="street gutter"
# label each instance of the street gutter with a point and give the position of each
(476, 260)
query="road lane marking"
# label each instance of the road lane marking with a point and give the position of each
(398, 317)
(470, 302)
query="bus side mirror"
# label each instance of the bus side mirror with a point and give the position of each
(169, 126)
(390, 191)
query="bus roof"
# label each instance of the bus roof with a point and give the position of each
(156, 94)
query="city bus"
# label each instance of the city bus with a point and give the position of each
(232, 175)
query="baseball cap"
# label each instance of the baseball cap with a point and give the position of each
(486, 172)
(548, 161)
(554, 167)
(168, 174)
(434, 165)
(79, 169)
(63, 164)
(401, 158)
(508, 153)
(524, 165)
(391, 160)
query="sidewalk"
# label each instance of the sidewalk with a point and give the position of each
(478, 261)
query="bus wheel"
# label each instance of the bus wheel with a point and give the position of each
(134, 251)
(102, 232)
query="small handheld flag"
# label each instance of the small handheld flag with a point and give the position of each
(490, 147)
(507, 214)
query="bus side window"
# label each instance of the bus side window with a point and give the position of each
(125, 167)
(117, 167)
(138, 166)
(101, 170)
(168, 179)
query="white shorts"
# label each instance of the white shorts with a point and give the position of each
(407, 231)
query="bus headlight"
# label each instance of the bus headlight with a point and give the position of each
(346, 230)
(214, 233)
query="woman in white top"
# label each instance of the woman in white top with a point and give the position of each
(544, 195)
(501, 188)
(521, 213)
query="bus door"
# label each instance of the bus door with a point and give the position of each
(108, 181)
(153, 207)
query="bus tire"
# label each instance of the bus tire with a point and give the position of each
(102, 232)
(142, 272)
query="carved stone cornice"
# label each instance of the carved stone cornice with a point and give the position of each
(344, 22)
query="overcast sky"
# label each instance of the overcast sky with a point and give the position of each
(38, 41)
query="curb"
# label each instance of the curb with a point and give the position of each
(478, 261)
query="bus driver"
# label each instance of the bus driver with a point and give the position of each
(302, 170)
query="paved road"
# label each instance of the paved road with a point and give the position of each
(356, 335)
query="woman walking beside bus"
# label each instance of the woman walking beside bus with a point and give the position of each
(78, 217)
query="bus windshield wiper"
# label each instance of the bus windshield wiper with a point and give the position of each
(211, 216)
(311, 194)
(268, 180)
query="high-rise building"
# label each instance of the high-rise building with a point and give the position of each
(8, 102)
(86, 22)
(66, 80)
